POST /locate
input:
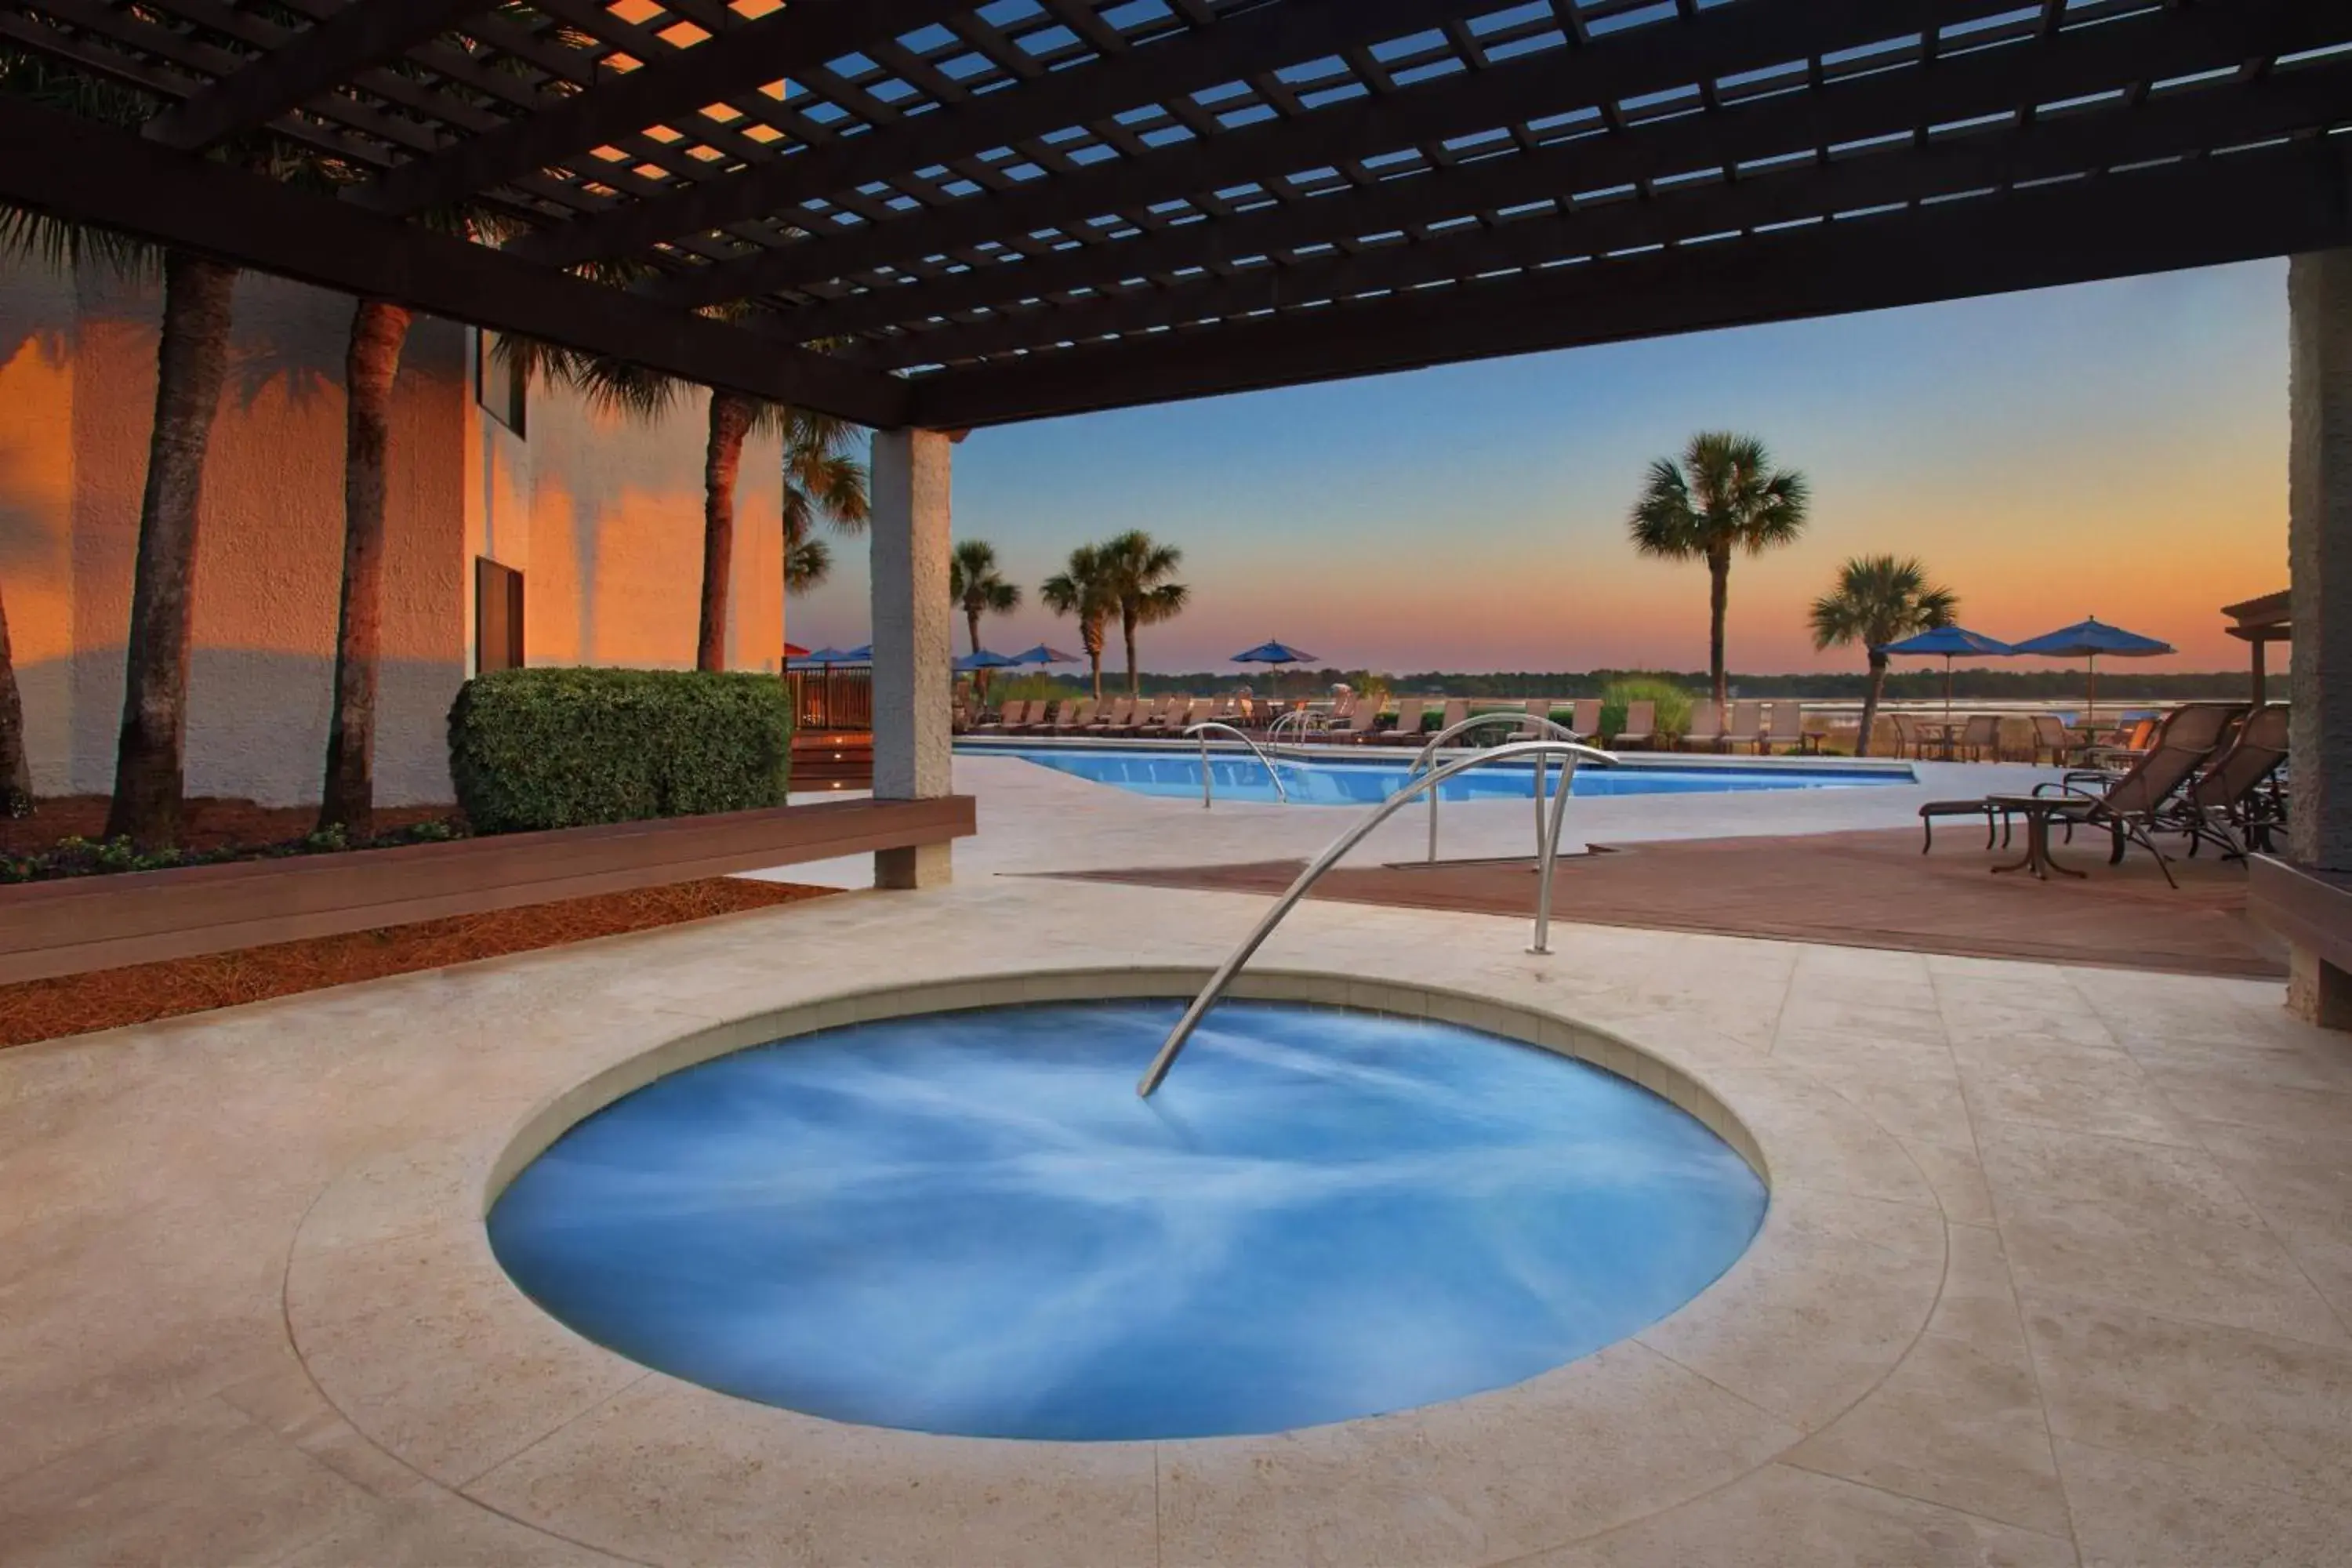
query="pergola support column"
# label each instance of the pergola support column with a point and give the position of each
(911, 484)
(2319, 549)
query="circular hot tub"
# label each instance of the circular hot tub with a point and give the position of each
(967, 1222)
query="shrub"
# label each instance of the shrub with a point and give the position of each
(533, 749)
(1674, 704)
(76, 856)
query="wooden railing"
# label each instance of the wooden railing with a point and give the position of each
(71, 926)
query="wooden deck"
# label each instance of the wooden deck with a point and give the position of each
(1848, 889)
(68, 927)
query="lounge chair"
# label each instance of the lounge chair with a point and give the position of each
(1979, 736)
(1041, 716)
(1408, 725)
(1149, 713)
(1788, 730)
(1641, 727)
(1586, 720)
(2130, 808)
(2228, 803)
(1116, 720)
(1458, 709)
(1705, 732)
(1011, 718)
(1075, 716)
(1223, 710)
(2052, 739)
(1363, 720)
(1169, 720)
(1745, 727)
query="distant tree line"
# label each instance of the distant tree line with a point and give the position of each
(2116, 684)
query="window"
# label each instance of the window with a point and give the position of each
(498, 387)
(498, 616)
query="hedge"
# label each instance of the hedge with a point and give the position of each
(533, 749)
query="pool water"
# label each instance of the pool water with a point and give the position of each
(968, 1223)
(1176, 771)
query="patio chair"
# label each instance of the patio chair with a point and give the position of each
(1788, 730)
(1223, 710)
(1041, 716)
(2229, 804)
(2053, 740)
(1641, 729)
(1705, 732)
(1908, 740)
(1075, 716)
(1979, 735)
(1013, 715)
(1745, 727)
(1586, 720)
(1407, 732)
(1457, 708)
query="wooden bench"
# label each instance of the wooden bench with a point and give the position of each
(74, 925)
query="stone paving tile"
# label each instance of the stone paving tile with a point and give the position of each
(2245, 1409)
(2131, 1512)
(1782, 1516)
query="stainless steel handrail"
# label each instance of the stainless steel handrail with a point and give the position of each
(1482, 720)
(1306, 719)
(1547, 851)
(1207, 785)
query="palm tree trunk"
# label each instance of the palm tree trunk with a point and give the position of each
(372, 364)
(1134, 681)
(192, 359)
(1870, 703)
(1093, 645)
(15, 771)
(972, 619)
(1718, 570)
(731, 421)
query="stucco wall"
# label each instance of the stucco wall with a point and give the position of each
(601, 512)
(604, 516)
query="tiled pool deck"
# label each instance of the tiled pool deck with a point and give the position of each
(2059, 1266)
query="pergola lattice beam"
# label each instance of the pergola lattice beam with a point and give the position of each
(2214, 211)
(365, 33)
(2062, 67)
(1654, 56)
(742, 59)
(1189, 62)
(87, 173)
(2219, 115)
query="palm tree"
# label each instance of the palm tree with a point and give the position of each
(1879, 600)
(1140, 570)
(15, 770)
(821, 480)
(1083, 589)
(371, 366)
(975, 584)
(1724, 496)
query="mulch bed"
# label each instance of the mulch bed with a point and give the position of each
(76, 1004)
(1851, 890)
(206, 821)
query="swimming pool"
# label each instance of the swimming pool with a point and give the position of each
(968, 1223)
(1175, 771)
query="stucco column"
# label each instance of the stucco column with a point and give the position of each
(913, 626)
(2319, 554)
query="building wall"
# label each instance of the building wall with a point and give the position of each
(603, 517)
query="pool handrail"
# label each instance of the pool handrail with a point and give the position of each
(1546, 852)
(1208, 788)
(1515, 717)
(1306, 720)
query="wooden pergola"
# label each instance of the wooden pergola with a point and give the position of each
(943, 214)
(2258, 623)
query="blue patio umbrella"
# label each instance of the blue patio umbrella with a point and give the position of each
(862, 654)
(1274, 655)
(983, 659)
(1044, 654)
(822, 658)
(2089, 639)
(1951, 642)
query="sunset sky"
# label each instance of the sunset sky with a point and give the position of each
(2116, 449)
